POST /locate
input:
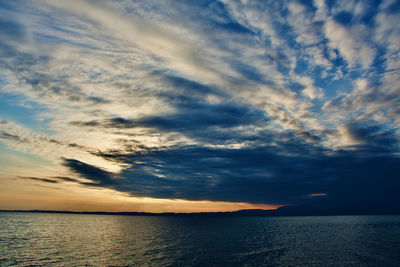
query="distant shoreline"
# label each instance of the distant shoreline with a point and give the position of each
(138, 213)
(239, 213)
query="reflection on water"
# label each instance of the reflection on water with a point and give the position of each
(76, 240)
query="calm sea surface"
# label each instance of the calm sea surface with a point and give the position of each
(28, 239)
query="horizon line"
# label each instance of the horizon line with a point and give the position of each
(243, 212)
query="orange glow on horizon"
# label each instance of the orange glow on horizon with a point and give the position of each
(135, 205)
(30, 202)
(31, 196)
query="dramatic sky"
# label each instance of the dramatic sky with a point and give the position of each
(199, 105)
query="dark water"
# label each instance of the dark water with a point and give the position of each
(28, 239)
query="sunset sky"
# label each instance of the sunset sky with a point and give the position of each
(186, 106)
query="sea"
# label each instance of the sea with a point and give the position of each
(43, 239)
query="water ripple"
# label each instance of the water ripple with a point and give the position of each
(36, 239)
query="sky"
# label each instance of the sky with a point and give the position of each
(187, 106)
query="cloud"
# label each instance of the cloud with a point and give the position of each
(47, 148)
(7, 136)
(98, 176)
(257, 101)
(66, 179)
(45, 180)
(350, 43)
(256, 175)
(372, 136)
(301, 19)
